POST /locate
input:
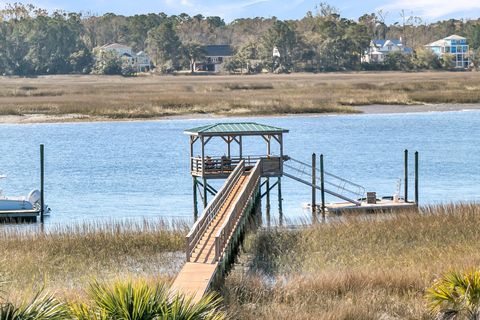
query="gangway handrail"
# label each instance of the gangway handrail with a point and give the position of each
(222, 237)
(342, 183)
(210, 212)
(327, 173)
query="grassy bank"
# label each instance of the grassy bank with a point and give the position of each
(154, 96)
(357, 269)
(66, 260)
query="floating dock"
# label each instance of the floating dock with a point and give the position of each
(19, 215)
(378, 207)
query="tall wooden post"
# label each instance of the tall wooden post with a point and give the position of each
(322, 185)
(195, 200)
(416, 178)
(314, 183)
(42, 180)
(406, 175)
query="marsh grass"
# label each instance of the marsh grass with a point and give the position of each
(158, 96)
(65, 259)
(355, 269)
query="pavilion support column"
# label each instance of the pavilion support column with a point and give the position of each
(205, 201)
(280, 207)
(229, 149)
(280, 141)
(191, 153)
(202, 140)
(240, 146)
(267, 186)
(269, 146)
(195, 200)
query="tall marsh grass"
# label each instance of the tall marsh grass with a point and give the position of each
(355, 269)
(65, 259)
(154, 96)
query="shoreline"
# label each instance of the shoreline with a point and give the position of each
(362, 110)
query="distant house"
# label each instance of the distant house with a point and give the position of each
(215, 55)
(139, 61)
(380, 48)
(456, 46)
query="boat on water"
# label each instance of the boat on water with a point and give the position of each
(31, 202)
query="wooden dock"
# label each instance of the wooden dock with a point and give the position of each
(213, 239)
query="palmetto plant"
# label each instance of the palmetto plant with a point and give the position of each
(140, 301)
(456, 295)
(42, 306)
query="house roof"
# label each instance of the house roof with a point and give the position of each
(222, 50)
(444, 42)
(115, 46)
(454, 37)
(234, 128)
(381, 42)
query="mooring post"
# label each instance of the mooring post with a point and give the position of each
(322, 185)
(416, 178)
(406, 175)
(314, 183)
(195, 200)
(42, 180)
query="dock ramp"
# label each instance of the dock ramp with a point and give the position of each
(334, 185)
(214, 237)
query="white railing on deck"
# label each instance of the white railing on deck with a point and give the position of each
(223, 235)
(212, 209)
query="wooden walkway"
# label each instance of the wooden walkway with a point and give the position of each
(215, 234)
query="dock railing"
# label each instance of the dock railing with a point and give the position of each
(226, 230)
(212, 209)
(224, 165)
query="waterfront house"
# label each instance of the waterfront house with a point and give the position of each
(139, 61)
(454, 45)
(380, 48)
(215, 56)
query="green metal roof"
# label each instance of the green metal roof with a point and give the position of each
(238, 128)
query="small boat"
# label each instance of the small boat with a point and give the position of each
(29, 203)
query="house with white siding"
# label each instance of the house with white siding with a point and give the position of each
(380, 48)
(140, 61)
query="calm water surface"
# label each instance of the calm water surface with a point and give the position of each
(140, 170)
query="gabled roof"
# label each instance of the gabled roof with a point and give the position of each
(115, 46)
(454, 37)
(234, 128)
(381, 42)
(223, 50)
(443, 42)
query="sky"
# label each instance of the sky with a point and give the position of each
(429, 10)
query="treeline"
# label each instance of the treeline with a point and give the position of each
(34, 41)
